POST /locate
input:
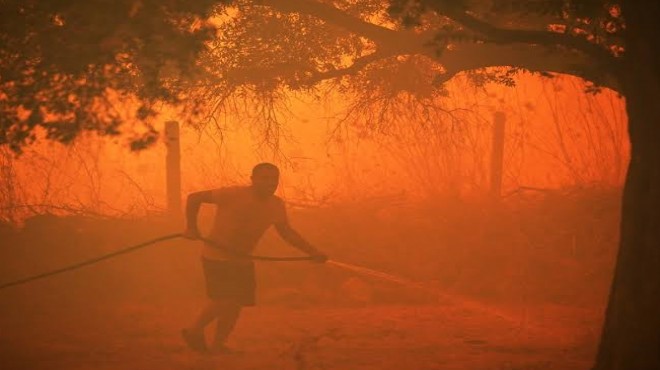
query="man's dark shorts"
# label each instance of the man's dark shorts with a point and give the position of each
(230, 280)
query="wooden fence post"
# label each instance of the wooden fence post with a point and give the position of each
(173, 169)
(497, 155)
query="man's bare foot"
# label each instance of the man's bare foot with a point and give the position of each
(222, 349)
(194, 339)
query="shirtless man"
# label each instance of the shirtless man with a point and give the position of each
(243, 214)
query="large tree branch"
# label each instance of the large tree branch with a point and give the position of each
(534, 58)
(404, 41)
(535, 51)
(357, 66)
(331, 15)
(534, 37)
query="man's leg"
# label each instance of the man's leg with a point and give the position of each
(194, 335)
(227, 318)
(211, 310)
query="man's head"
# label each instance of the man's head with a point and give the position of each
(265, 178)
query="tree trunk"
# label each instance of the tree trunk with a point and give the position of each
(631, 332)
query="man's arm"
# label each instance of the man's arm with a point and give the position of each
(193, 202)
(292, 237)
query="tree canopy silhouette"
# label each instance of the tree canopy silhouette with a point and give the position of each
(67, 67)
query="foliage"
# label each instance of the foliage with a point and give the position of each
(67, 67)
(65, 64)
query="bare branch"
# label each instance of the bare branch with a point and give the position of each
(357, 66)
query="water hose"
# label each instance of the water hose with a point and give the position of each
(136, 247)
(473, 305)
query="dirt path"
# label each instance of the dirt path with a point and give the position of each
(445, 336)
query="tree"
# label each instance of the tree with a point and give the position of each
(146, 50)
(380, 55)
(65, 64)
(631, 338)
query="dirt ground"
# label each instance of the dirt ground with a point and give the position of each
(521, 288)
(439, 336)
